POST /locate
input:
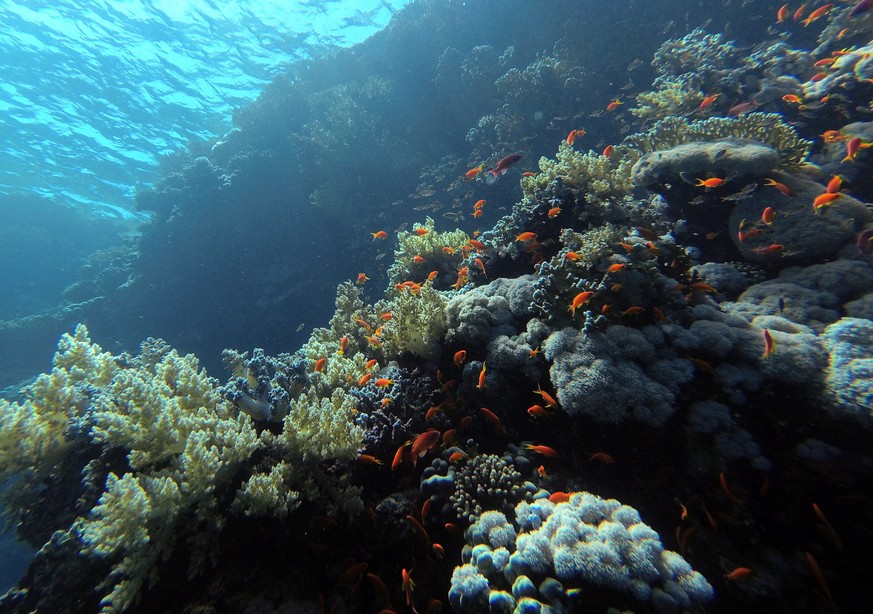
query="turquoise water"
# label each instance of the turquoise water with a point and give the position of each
(94, 93)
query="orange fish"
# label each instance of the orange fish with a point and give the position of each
(433, 411)
(366, 326)
(825, 62)
(571, 137)
(832, 136)
(448, 250)
(614, 268)
(383, 382)
(478, 204)
(386, 315)
(792, 98)
(489, 415)
(480, 264)
(768, 343)
(362, 278)
(371, 363)
(457, 456)
(473, 172)
(579, 300)
(408, 586)
(477, 244)
(573, 256)
(823, 200)
(344, 343)
(460, 357)
(799, 12)
(449, 437)
(818, 14)
(631, 311)
(553, 212)
(418, 259)
(398, 456)
(559, 497)
(608, 151)
(708, 101)
(853, 146)
(781, 187)
(366, 377)
(769, 249)
(739, 573)
(703, 287)
(819, 577)
(319, 365)
(816, 78)
(528, 174)
(549, 399)
(432, 275)
(544, 450)
(369, 459)
(481, 384)
(537, 411)
(425, 442)
(834, 184)
(541, 471)
(602, 457)
(612, 106)
(745, 235)
(526, 236)
(420, 232)
(379, 235)
(782, 13)
(768, 215)
(712, 182)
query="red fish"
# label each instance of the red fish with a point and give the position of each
(553, 212)
(479, 204)
(768, 215)
(853, 146)
(362, 279)
(834, 184)
(781, 187)
(501, 167)
(571, 137)
(579, 300)
(612, 106)
(818, 14)
(544, 450)
(526, 236)
(379, 235)
(823, 200)
(608, 151)
(742, 108)
(425, 442)
(708, 101)
(460, 357)
(782, 14)
(768, 343)
(319, 365)
(739, 573)
(712, 182)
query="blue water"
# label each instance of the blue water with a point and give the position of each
(94, 93)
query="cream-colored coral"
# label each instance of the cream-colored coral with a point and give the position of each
(605, 177)
(673, 97)
(269, 494)
(767, 128)
(418, 321)
(318, 428)
(428, 246)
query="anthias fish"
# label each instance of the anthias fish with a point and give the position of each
(501, 168)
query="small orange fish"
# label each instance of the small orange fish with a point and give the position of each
(745, 235)
(457, 456)
(526, 236)
(460, 357)
(476, 244)
(379, 235)
(853, 146)
(823, 200)
(478, 204)
(572, 256)
(473, 172)
(816, 78)
(822, 583)
(549, 399)
(418, 259)
(449, 437)
(781, 187)
(433, 411)
(782, 13)
(398, 456)
(369, 459)
(481, 384)
(371, 363)
(769, 249)
(612, 106)
(553, 212)
(420, 232)
(559, 497)
(383, 382)
(480, 264)
(832, 136)
(362, 279)
(608, 151)
(708, 101)
(541, 471)
(684, 514)
(799, 12)
(366, 326)
(579, 300)
(630, 311)
(489, 415)
(424, 442)
(818, 14)
(703, 287)
(768, 215)
(344, 343)
(602, 457)
(739, 573)
(386, 315)
(448, 250)
(537, 411)
(571, 138)
(615, 268)
(842, 33)
(792, 99)
(366, 377)
(319, 365)
(408, 586)
(768, 343)
(544, 450)
(825, 62)
(712, 182)
(834, 185)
